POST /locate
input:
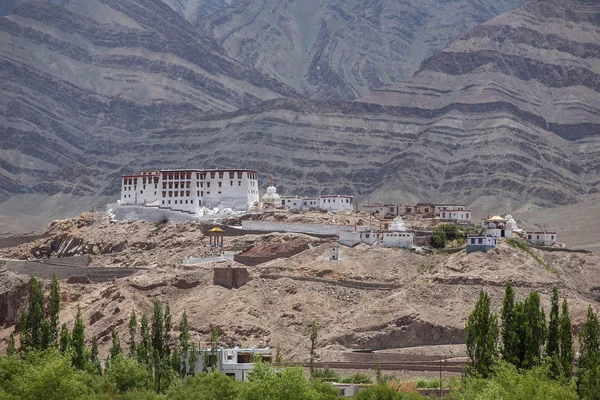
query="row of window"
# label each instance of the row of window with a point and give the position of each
(181, 202)
(202, 175)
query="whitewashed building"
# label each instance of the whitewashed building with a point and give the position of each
(236, 363)
(447, 207)
(188, 190)
(397, 235)
(325, 203)
(463, 216)
(496, 226)
(541, 238)
(481, 243)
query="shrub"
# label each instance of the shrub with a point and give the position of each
(357, 378)
(211, 386)
(438, 238)
(326, 375)
(428, 383)
(127, 374)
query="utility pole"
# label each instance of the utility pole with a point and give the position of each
(440, 377)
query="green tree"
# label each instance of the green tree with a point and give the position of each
(552, 344)
(214, 347)
(482, 335)
(438, 238)
(65, 339)
(23, 318)
(78, 341)
(377, 370)
(54, 309)
(192, 359)
(565, 338)
(184, 343)
(510, 340)
(589, 359)
(132, 330)
(158, 345)
(378, 392)
(11, 349)
(314, 332)
(46, 334)
(35, 315)
(265, 383)
(94, 350)
(510, 383)
(167, 331)
(115, 349)
(144, 349)
(127, 374)
(278, 357)
(211, 386)
(535, 331)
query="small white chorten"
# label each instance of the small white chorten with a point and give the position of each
(271, 196)
(511, 224)
(398, 224)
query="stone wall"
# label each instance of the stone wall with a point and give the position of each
(231, 278)
(268, 226)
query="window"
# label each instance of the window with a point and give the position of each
(176, 185)
(529, 237)
(181, 193)
(212, 175)
(220, 175)
(219, 192)
(480, 241)
(230, 183)
(230, 174)
(155, 193)
(467, 216)
(188, 175)
(169, 201)
(202, 193)
(426, 210)
(170, 194)
(176, 193)
(239, 183)
(187, 193)
(144, 186)
(163, 202)
(220, 184)
(186, 202)
(187, 185)
(164, 194)
(170, 185)
(198, 193)
(207, 184)
(201, 184)
(552, 237)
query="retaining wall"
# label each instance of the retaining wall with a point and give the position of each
(149, 214)
(268, 226)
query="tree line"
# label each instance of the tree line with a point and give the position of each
(526, 339)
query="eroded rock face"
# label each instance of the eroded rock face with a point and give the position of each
(343, 49)
(13, 292)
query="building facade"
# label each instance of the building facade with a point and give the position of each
(236, 363)
(496, 226)
(542, 238)
(463, 216)
(448, 207)
(481, 243)
(325, 203)
(188, 190)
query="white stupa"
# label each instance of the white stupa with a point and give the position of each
(511, 224)
(271, 197)
(398, 224)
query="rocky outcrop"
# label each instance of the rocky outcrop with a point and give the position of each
(339, 49)
(13, 293)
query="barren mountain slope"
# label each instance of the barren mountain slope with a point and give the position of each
(374, 297)
(77, 86)
(338, 49)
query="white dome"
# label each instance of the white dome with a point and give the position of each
(271, 196)
(511, 224)
(398, 224)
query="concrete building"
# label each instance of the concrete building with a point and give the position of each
(349, 389)
(542, 238)
(325, 203)
(334, 253)
(463, 216)
(481, 243)
(236, 363)
(188, 190)
(424, 209)
(397, 235)
(447, 207)
(382, 211)
(496, 227)
(362, 234)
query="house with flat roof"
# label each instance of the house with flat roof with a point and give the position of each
(481, 243)
(541, 238)
(236, 362)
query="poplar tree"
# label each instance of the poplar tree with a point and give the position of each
(552, 344)
(278, 357)
(23, 318)
(94, 355)
(78, 341)
(482, 335)
(144, 349)
(510, 340)
(35, 315)
(193, 359)
(54, 309)
(184, 343)
(65, 339)
(115, 349)
(314, 328)
(46, 335)
(535, 331)
(168, 318)
(565, 338)
(11, 349)
(214, 346)
(589, 359)
(132, 330)
(158, 348)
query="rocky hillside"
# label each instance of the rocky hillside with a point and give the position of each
(340, 49)
(372, 298)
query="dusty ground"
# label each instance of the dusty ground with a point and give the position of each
(392, 300)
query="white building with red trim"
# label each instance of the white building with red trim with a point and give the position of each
(188, 190)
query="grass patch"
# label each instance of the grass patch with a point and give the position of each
(428, 383)
(519, 244)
